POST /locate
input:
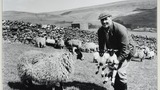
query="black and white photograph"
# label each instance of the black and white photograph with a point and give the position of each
(79, 45)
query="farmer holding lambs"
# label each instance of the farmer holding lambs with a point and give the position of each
(112, 35)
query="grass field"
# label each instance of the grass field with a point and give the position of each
(148, 34)
(141, 75)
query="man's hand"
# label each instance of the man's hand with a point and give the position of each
(113, 67)
(114, 64)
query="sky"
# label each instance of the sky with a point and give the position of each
(38, 6)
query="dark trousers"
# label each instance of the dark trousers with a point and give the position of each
(119, 85)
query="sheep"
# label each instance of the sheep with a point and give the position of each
(90, 46)
(150, 55)
(146, 49)
(60, 43)
(40, 42)
(107, 61)
(50, 69)
(77, 52)
(73, 43)
(139, 53)
(50, 42)
(114, 63)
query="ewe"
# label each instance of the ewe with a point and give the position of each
(90, 46)
(70, 43)
(149, 53)
(48, 69)
(50, 42)
(139, 53)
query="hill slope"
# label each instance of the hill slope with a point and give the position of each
(123, 10)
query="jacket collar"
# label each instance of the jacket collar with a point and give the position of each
(111, 29)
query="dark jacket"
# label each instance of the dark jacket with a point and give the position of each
(118, 39)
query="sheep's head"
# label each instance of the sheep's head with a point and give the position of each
(112, 51)
(102, 60)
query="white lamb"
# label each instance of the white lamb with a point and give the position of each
(60, 43)
(148, 52)
(40, 41)
(50, 41)
(48, 69)
(150, 55)
(108, 60)
(113, 62)
(139, 53)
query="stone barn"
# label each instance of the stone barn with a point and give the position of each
(80, 24)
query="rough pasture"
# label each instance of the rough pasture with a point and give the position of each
(141, 75)
(149, 34)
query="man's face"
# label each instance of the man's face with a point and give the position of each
(106, 22)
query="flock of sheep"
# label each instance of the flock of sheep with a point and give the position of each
(143, 47)
(52, 69)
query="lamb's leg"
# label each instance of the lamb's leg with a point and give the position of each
(113, 77)
(104, 67)
(102, 73)
(105, 80)
(38, 44)
(97, 69)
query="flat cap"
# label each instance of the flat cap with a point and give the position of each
(104, 15)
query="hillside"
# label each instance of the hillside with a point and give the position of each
(123, 10)
(146, 18)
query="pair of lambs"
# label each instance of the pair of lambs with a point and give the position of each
(106, 63)
(50, 69)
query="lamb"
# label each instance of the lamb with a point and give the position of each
(150, 55)
(60, 43)
(139, 53)
(77, 52)
(41, 42)
(106, 62)
(50, 69)
(146, 49)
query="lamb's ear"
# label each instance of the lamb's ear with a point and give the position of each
(115, 50)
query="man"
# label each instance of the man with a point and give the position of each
(112, 35)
